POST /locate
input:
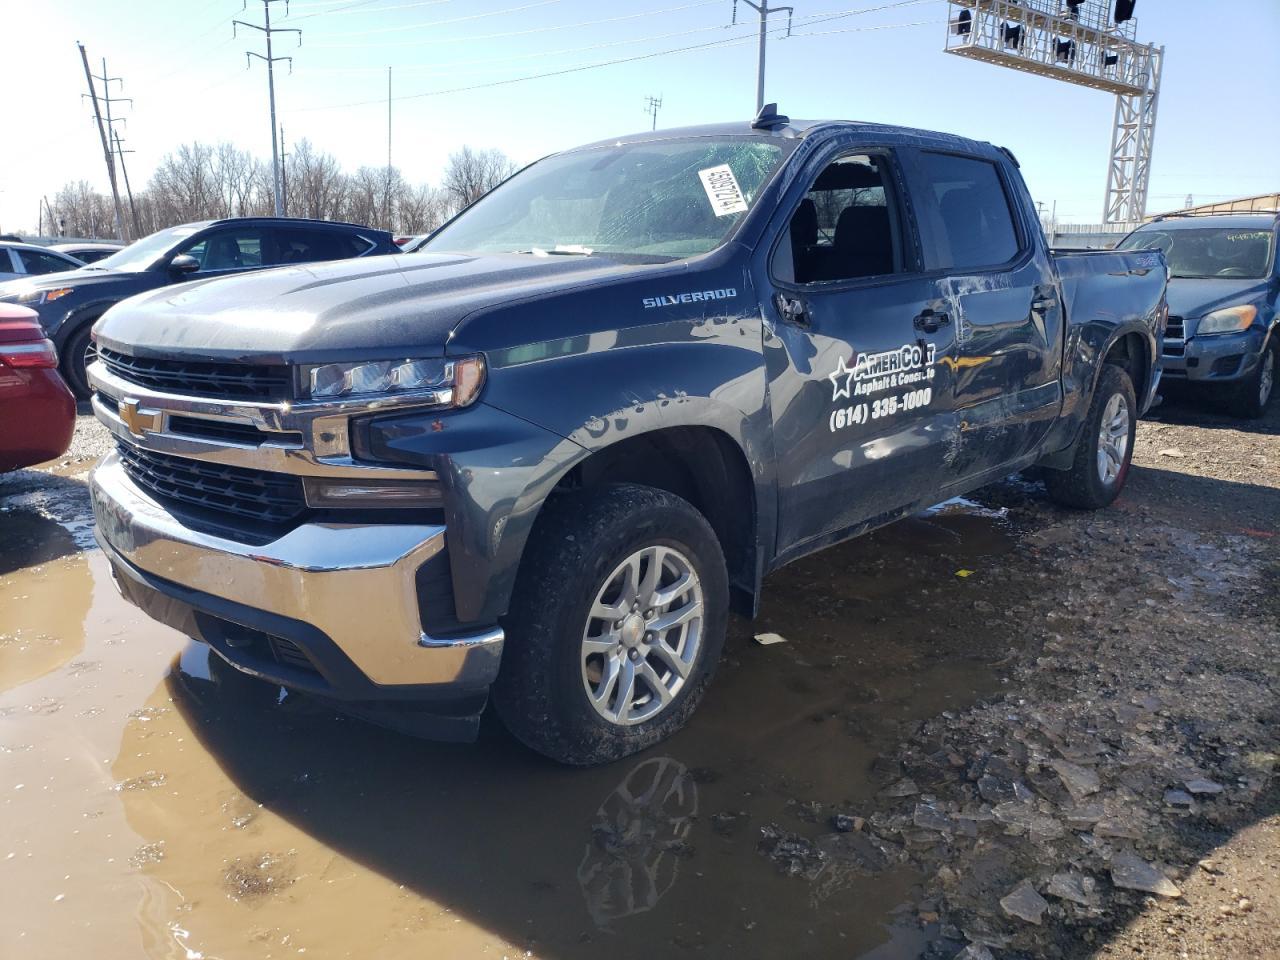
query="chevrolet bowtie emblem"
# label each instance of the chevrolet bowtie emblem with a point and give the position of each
(138, 421)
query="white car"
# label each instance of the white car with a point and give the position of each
(19, 260)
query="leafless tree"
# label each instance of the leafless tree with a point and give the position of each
(470, 174)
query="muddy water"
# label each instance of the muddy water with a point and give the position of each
(154, 803)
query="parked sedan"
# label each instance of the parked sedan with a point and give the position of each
(69, 303)
(19, 260)
(37, 411)
(89, 251)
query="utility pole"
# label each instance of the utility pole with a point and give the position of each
(386, 199)
(764, 10)
(284, 171)
(267, 30)
(133, 211)
(651, 106)
(106, 147)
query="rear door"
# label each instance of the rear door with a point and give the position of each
(859, 393)
(993, 270)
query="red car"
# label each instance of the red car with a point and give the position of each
(37, 411)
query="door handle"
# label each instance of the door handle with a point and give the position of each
(929, 320)
(791, 309)
(1045, 298)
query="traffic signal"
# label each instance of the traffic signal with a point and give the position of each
(1124, 10)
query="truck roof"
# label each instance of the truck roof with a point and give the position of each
(792, 129)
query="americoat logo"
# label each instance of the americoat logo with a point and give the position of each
(696, 296)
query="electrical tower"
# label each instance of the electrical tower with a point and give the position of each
(1090, 43)
(651, 106)
(267, 30)
(764, 10)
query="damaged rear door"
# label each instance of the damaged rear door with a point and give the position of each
(993, 266)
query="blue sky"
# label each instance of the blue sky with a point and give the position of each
(1216, 136)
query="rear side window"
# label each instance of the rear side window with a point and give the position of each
(973, 211)
(301, 245)
(34, 261)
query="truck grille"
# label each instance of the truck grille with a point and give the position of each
(274, 498)
(1175, 344)
(230, 381)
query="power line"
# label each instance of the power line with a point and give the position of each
(443, 23)
(106, 146)
(736, 41)
(764, 10)
(267, 31)
(651, 106)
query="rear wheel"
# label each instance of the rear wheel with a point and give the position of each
(616, 625)
(1105, 448)
(76, 356)
(1250, 397)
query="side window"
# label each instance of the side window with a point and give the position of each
(356, 245)
(234, 249)
(300, 245)
(847, 224)
(973, 211)
(34, 261)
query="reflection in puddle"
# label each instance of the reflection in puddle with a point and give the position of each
(638, 839)
(258, 824)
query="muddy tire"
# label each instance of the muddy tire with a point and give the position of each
(1250, 397)
(1105, 448)
(74, 352)
(616, 624)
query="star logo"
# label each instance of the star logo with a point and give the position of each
(847, 374)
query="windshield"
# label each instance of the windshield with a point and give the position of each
(648, 202)
(1207, 252)
(144, 253)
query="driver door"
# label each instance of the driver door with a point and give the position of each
(229, 250)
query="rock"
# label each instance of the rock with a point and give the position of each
(1131, 873)
(1079, 781)
(1024, 903)
(793, 855)
(903, 788)
(1117, 827)
(1178, 798)
(995, 789)
(929, 817)
(1203, 786)
(1173, 452)
(1068, 886)
(846, 824)
(974, 951)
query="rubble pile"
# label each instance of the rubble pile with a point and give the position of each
(1140, 721)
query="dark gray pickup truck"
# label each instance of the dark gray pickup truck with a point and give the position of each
(546, 456)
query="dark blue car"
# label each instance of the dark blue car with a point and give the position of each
(69, 302)
(1224, 282)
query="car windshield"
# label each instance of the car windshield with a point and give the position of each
(642, 202)
(1207, 252)
(144, 253)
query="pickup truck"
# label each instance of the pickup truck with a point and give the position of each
(1223, 336)
(542, 458)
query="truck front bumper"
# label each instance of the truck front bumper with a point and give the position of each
(1218, 358)
(330, 609)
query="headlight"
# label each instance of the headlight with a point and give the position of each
(1227, 320)
(44, 296)
(447, 382)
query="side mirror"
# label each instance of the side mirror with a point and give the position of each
(184, 263)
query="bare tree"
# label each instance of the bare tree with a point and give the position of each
(317, 186)
(470, 174)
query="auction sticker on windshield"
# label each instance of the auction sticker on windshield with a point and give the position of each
(722, 190)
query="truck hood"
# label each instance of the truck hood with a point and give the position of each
(375, 308)
(1192, 299)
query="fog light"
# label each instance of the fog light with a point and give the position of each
(342, 493)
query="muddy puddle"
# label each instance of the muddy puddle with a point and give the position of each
(155, 803)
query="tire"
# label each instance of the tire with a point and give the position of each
(582, 548)
(1096, 479)
(73, 361)
(1250, 397)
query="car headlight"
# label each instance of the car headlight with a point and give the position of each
(44, 296)
(446, 382)
(1227, 320)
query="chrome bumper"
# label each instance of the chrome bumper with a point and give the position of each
(353, 583)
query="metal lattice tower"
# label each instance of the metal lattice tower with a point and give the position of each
(1076, 43)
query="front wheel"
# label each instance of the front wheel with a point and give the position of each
(76, 356)
(1250, 397)
(1105, 448)
(615, 627)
